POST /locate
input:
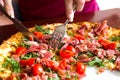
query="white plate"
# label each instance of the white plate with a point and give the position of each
(91, 74)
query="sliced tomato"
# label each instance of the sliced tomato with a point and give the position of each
(52, 64)
(107, 44)
(79, 37)
(102, 41)
(63, 64)
(38, 34)
(68, 52)
(111, 45)
(31, 38)
(37, 69)
(20, 50)
(80, 68)
(29, 62)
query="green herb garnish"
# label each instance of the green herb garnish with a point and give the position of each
(29, 55)
(10, 63)
(53, 78)
(115, 38)
(97, 62)
(44, 31)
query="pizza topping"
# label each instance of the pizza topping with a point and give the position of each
(40, 29)
(46, 38)
(81, 30)
(79, 37)
(14, 65)
(81, 46)
(117, 63)
(29, 62)
(38, 34)
(46, 54)
(101, 28)
(20, 51)
(63, 64)
(37, 48)
(37, 69)
(107, 44)
(115, 38)
(80, 68)
(68, 52)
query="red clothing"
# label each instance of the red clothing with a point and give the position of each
(37, 9)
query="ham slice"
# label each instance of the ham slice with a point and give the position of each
(117, 63)
(37, 48)
(101, 28)
(81, 30)
(46, 54)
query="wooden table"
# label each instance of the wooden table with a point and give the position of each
(112, 15)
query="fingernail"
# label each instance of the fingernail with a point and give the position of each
(12, 15)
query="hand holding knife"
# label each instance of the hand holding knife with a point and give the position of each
(20, 27)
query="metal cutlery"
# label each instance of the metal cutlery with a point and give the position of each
(59, 33)
(20, 27)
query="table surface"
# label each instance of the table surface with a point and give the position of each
(112, 15)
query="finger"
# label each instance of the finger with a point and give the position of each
(80, 4)
(69, 9)
(9, 8)
(10, 12)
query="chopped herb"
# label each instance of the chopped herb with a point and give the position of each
(24, 45)
(25, 39)
(97, 62)
(44, 31)
(12, 64)
(112, 60)
(68, 74)
(70, 33)
(90, 54)
(54, 58)
(115, 38)
(29, 55)
(53, 78)
(48, 69)
(18, 77)
(75, 77)
(118, 46)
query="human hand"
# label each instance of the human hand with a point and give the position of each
(69, 7)
(8, 7)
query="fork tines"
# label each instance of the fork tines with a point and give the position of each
(56, 39)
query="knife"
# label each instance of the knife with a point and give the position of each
(20, 27)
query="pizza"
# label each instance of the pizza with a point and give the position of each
(85, 44)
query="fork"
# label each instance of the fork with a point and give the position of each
(59, 33)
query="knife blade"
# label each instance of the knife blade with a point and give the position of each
(20, 27)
